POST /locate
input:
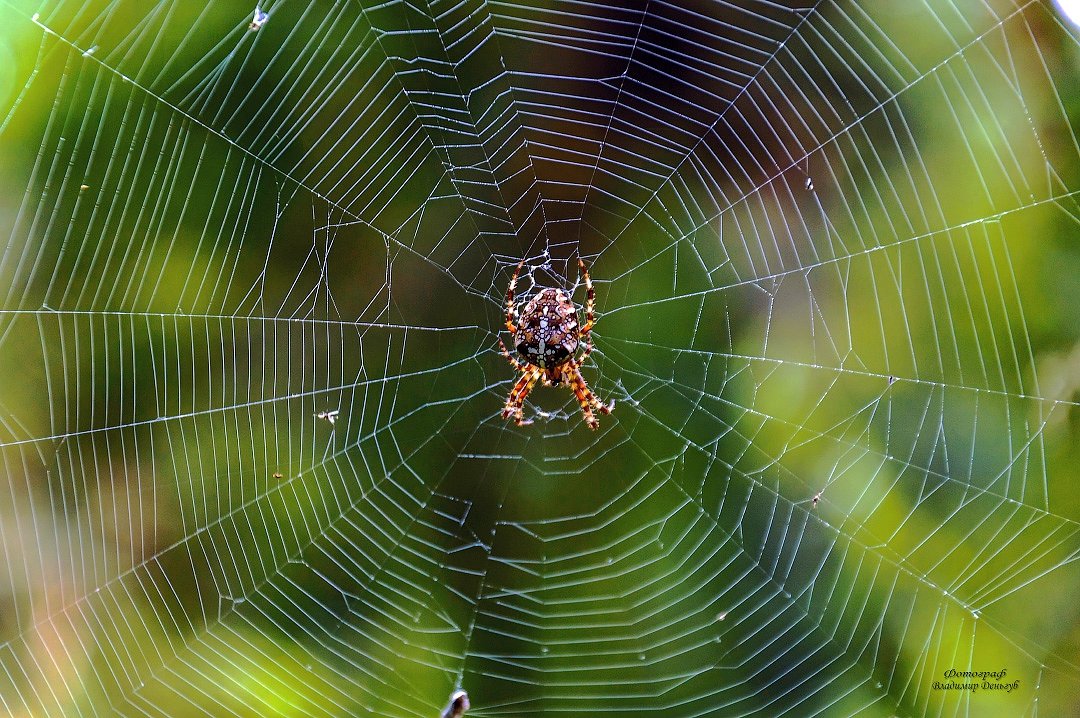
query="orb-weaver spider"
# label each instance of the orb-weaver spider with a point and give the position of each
(546, 335)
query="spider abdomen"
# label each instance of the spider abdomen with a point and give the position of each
(548, 330)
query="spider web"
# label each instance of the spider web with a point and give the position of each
(831, 247)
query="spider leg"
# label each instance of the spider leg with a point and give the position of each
(598, 405)
(587, 339)
(514, 362)
(517, 396)
(511, 311)
(586, 399)
(590, 299)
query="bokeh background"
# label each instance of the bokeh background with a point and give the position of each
(837, 260)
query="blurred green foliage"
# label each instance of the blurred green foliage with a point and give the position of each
(843, 456)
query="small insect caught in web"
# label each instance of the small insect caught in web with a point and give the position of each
(816, 500)
(809, 183)
(459, 703)
(259, 19)
(330, 416)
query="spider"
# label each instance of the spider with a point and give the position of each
(546, 335)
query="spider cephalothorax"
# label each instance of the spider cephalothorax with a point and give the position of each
(546, 335)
